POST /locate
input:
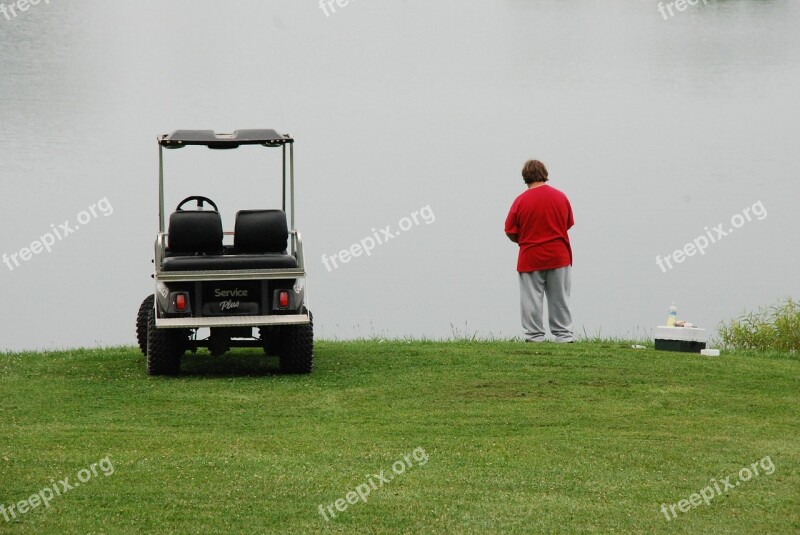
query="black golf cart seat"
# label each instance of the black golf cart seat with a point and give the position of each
(195, 241)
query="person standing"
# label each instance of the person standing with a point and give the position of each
(538, 222)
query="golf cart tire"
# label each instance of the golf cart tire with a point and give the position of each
(141, 322)
(297, 348)
(270, 340)
(165, 347)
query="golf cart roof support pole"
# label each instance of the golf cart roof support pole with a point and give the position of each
(284, 177)
(291, 178)
(160, 188)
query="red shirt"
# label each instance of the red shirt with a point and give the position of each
(541, 217)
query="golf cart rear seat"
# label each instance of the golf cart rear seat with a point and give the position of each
(260, 242)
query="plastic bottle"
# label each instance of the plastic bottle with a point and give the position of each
(673, 315)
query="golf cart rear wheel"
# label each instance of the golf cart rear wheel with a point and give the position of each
(165, 347)
(297, 348)
(141, 322)
(270, 340)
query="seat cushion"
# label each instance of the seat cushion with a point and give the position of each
(219, 262)
(261, 231)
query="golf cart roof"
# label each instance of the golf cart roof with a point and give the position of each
(212, 140)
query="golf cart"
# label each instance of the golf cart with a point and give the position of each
(248, 293)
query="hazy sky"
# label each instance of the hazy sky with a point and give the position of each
(662, 131)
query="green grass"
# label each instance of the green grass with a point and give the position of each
(520, 438)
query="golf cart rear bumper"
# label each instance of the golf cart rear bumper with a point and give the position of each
(232, 321)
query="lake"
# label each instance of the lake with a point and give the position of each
(661, 128)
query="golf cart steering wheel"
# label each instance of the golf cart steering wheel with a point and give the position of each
(200, 200)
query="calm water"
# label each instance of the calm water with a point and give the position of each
(656, 129)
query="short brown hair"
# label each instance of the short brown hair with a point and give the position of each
(534, 171)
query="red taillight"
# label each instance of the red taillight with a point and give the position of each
(283, 299)
(180, 302)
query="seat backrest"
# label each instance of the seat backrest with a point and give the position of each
(195, 232)
(261, 231)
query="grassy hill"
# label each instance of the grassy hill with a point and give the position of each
(490, 437)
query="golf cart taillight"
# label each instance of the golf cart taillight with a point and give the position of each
(283, 299)
(180, 302)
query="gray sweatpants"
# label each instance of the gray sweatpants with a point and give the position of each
(555, 284)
